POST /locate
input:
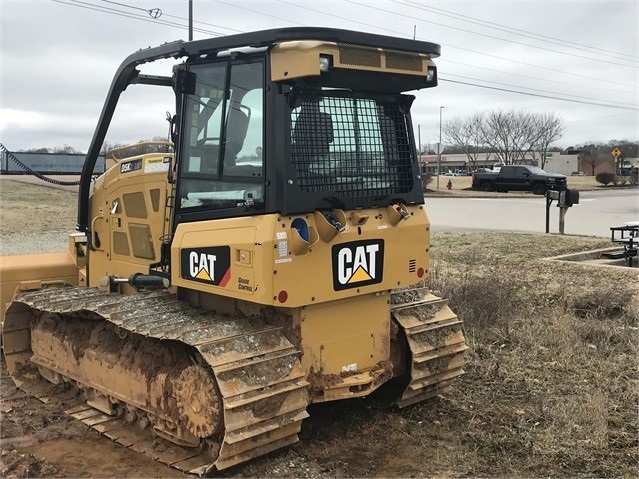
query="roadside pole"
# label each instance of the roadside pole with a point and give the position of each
(562, 218)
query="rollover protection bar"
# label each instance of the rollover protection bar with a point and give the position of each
(128, 74)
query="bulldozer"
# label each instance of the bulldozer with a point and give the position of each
(272, 253)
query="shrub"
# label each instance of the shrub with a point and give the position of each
(621, 180)
(426, 180)
(605, 178)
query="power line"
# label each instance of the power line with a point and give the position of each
(171, 16)
(540, 96)
(542, 67)
(540, 90)
(519, 75)
(153, 12)
(79, 3)
(261, 13)
(120, 13)
(518, 31)
(492, 36)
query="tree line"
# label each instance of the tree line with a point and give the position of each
(513, 135)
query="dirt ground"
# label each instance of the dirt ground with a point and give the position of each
(551, 387)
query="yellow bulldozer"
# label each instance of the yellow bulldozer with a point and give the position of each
(270, 254)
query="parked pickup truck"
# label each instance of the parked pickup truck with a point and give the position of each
(519, 178)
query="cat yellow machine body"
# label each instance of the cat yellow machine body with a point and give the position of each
(270, 255)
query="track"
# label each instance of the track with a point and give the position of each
(435, 341)
(243, 369)
(221, 389)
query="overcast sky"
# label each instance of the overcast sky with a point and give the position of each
(59, 57)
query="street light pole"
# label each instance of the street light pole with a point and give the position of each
(439, 148)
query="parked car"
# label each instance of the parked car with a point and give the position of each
(519, 178)
(577, 173)
(497, 167)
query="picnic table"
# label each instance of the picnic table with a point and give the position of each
(628, 236)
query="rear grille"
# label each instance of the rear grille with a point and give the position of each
(358, 148)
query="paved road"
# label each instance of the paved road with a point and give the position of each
(596, 213)
(593, 216)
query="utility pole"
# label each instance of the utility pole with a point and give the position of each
(190, 20)
(419, 152)
(439, 148)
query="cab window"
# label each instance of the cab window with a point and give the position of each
(222, 153)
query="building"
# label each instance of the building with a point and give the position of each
(556, 162)
(563, 164)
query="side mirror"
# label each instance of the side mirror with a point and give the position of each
(184, 82)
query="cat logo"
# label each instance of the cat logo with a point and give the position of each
(358, 263)
(207, 265)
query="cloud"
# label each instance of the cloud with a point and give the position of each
(58, 59)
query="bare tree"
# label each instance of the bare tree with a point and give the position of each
(590, 154)
(466, 135)
(510, 134)
(66, 149)
(549, 129)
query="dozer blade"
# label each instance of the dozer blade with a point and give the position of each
(222, 389)
(435, 341)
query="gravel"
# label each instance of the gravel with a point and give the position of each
(29, 243)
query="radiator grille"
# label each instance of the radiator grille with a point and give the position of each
(359, 56)
(121, 243)
(155, 199)
(404, 61)
(357, 147)
(134, 205)
(141, 241)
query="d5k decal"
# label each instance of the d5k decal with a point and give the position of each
(207, 265)
(358, 263)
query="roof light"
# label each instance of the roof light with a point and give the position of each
(430, 75)
(325, 63)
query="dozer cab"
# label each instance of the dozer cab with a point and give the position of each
(270, 255)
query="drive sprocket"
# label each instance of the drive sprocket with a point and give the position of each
(198, 401)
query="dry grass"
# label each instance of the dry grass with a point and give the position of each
(26, 208)
(551, 388)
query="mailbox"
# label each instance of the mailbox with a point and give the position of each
(552, 194)
(571, 197)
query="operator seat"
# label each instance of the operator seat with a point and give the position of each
(313, 132)
(236, 129)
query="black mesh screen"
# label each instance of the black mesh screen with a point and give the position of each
(356, 147)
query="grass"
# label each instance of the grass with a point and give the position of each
(551, 384)
(26, 208)
(551, 379)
